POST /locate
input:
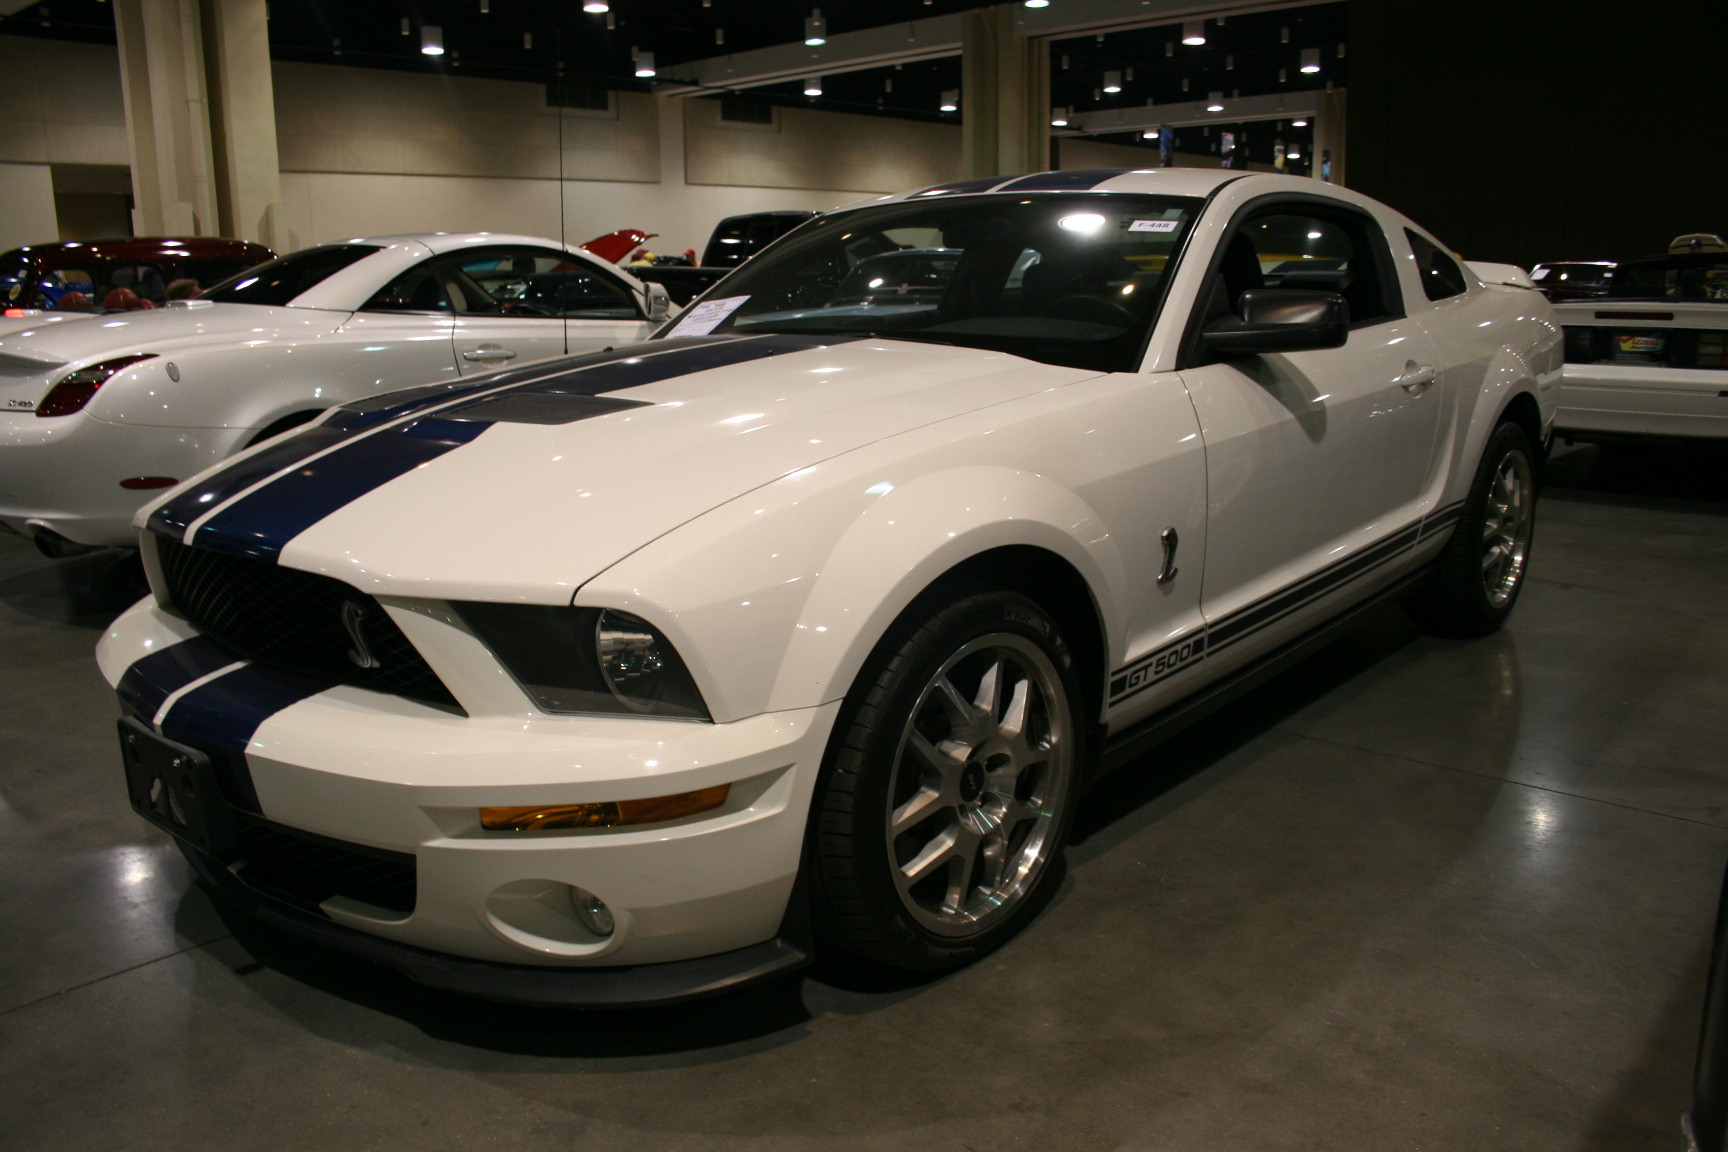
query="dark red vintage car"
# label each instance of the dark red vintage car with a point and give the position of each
(81, 275)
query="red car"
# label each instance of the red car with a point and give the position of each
(81, 275)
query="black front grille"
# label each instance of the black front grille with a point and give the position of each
(297, 621)
(305, 870)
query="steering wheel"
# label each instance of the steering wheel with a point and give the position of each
(1088, 309)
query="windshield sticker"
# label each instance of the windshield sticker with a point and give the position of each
(707, 316)
(1153, 226)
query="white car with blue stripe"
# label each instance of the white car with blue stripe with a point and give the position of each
(98, 417)
(643, 674)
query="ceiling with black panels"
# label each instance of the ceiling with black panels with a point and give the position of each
(544, 41)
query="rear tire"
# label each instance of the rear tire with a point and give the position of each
(949, 786)
(1477, 578)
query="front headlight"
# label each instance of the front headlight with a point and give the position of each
(587, 660)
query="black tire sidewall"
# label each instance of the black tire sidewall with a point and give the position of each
(858, 908)
(1454, 601)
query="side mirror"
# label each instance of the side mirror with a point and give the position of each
(659, 302)
(1280, 320)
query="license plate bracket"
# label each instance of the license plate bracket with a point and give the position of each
(175, 788)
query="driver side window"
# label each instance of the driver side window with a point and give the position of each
(534, 282)
(1295, 247)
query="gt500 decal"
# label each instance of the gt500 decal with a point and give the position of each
(1162, 663)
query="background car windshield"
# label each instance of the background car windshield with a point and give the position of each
(280, 281)
(1060, 278)
(1703, 277)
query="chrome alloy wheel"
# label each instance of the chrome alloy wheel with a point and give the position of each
(984, 756)
(1507, 518)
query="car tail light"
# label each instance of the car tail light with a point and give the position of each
(74, 390)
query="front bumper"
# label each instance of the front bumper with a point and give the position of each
(363, 772)
(669, 982)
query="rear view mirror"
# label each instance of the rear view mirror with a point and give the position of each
(1280, 320)
(659, 302)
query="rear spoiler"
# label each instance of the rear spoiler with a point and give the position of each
(1501, 274)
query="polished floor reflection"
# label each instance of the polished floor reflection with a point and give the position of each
(1414, 894)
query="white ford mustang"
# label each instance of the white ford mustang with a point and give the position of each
(629, 676)
(97, 416)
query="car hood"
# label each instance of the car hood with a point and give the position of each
(523, 485)
(32, 354)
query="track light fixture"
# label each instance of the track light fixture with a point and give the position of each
(596, 6)
(644, 64)
(1058, 117)
(1215, 102)
(951, 100)
(1310, 60)
(813, 86)
(815, 28)
(1194, 32)
(1037, 3)
(1112, 81)
(431, 40)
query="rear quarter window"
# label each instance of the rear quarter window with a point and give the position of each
(1440, 274)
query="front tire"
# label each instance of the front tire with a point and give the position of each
(949, 785)
(1479, 574)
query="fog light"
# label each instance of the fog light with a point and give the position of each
(592, 912)
(606, 814)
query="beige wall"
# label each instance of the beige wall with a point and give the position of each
(27, 191)
(1080, 152)
(335, 119)
(60, 103)
(805, 148)
(372, 151)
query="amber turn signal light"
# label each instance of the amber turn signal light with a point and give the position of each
(607, 814)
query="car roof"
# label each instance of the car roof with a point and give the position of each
(1160, 181)
(441, 242)
(138, 247)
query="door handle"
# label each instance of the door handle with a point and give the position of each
(488, 352)
(1416, 377)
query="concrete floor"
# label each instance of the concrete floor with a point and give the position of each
(1416, 894)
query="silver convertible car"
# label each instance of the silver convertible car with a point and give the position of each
(638, 675)
(98, 414)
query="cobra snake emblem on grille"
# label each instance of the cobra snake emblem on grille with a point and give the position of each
(352, 617)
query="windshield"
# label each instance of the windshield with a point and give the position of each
(280, 281)
(1702, 277)
(1060, 278)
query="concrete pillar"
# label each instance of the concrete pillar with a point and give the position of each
(1329, 134)
(243, 120)
(200, 117)
(1004, 96)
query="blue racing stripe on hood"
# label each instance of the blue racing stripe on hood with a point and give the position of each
(174, 517)
(221, 717)
(262, 521)
(147, 684)
(348, 421)
(259, 525)
(1078, 179)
